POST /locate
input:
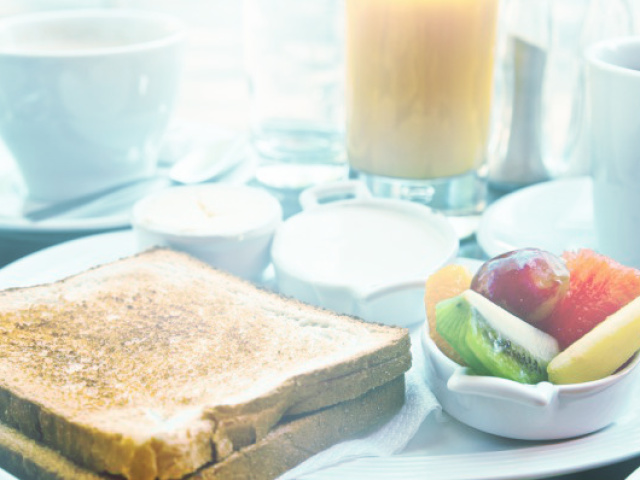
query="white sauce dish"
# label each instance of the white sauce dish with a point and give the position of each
(362, 256)
(228, 226)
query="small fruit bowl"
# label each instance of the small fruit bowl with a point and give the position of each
(532, 345)
(542, 411)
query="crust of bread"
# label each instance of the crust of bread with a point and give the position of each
(155, 365)
(288, 444)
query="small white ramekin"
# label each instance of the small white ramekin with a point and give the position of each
(358, 255)
(231, 227)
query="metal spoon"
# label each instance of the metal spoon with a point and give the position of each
(204, 163)
(209, 161)
(109, 200)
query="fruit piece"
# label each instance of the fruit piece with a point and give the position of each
(507, 346)
(599, 287)
(601, 351)
(453, 320)
(528, 282)
(447, 282)
(486, 334)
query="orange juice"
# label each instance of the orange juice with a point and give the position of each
(419, 81)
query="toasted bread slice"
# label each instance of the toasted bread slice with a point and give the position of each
(287, 445)
(155, 365)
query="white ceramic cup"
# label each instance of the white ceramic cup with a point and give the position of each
(613, 94)
(86, 95)
(228, 226)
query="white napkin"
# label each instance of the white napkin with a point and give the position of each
(392, 437)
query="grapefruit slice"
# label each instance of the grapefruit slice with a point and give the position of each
(598, 287)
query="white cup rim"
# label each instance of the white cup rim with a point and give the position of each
(265, 226)
(595, 53)
(174, 31)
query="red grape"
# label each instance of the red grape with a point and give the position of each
(528, 282)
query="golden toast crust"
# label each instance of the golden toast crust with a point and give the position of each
(285, 446)
(138, 367)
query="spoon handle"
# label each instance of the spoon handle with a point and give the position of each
(108, 199)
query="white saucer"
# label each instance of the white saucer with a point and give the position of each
(555, 216)
(635, 475)
(115, 215)
(12, 201)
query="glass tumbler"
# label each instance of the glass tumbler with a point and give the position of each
(418, 97)
(294, 59)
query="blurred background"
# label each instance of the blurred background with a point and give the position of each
(213, 89)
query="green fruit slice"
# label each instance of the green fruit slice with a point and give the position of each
(453, 317)
(493, 341)
(601, 351)
(506, 345)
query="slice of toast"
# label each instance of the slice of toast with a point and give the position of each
(156, 365)
(287, 445)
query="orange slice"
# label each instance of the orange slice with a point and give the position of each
(447, 282)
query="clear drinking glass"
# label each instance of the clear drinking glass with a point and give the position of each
(575, 24)
(539, 130)
(294, 58)
(418, 96)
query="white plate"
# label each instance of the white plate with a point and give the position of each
(443, 449)
(554, 216)
(118, 216)
(635, 475)
(68, 258)
(11, 219)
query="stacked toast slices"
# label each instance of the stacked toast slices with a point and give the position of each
(158, 366)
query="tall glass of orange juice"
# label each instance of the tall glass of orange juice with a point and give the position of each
(419, 83)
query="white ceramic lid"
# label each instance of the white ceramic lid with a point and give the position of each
(362, 244)
(339, 254)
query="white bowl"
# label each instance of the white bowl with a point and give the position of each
(228, 226)
(529, 412)
(362, 256)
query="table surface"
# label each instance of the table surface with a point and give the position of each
(214, 92)
(469, 248)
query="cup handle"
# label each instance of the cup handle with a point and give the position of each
(539, 395)
(313, 197)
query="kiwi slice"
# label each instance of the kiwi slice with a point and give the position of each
(493, 341)
(453, 317)
(506, 345)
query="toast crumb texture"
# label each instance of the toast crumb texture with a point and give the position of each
(155, 365)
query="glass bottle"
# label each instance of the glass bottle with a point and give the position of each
(515, 158)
